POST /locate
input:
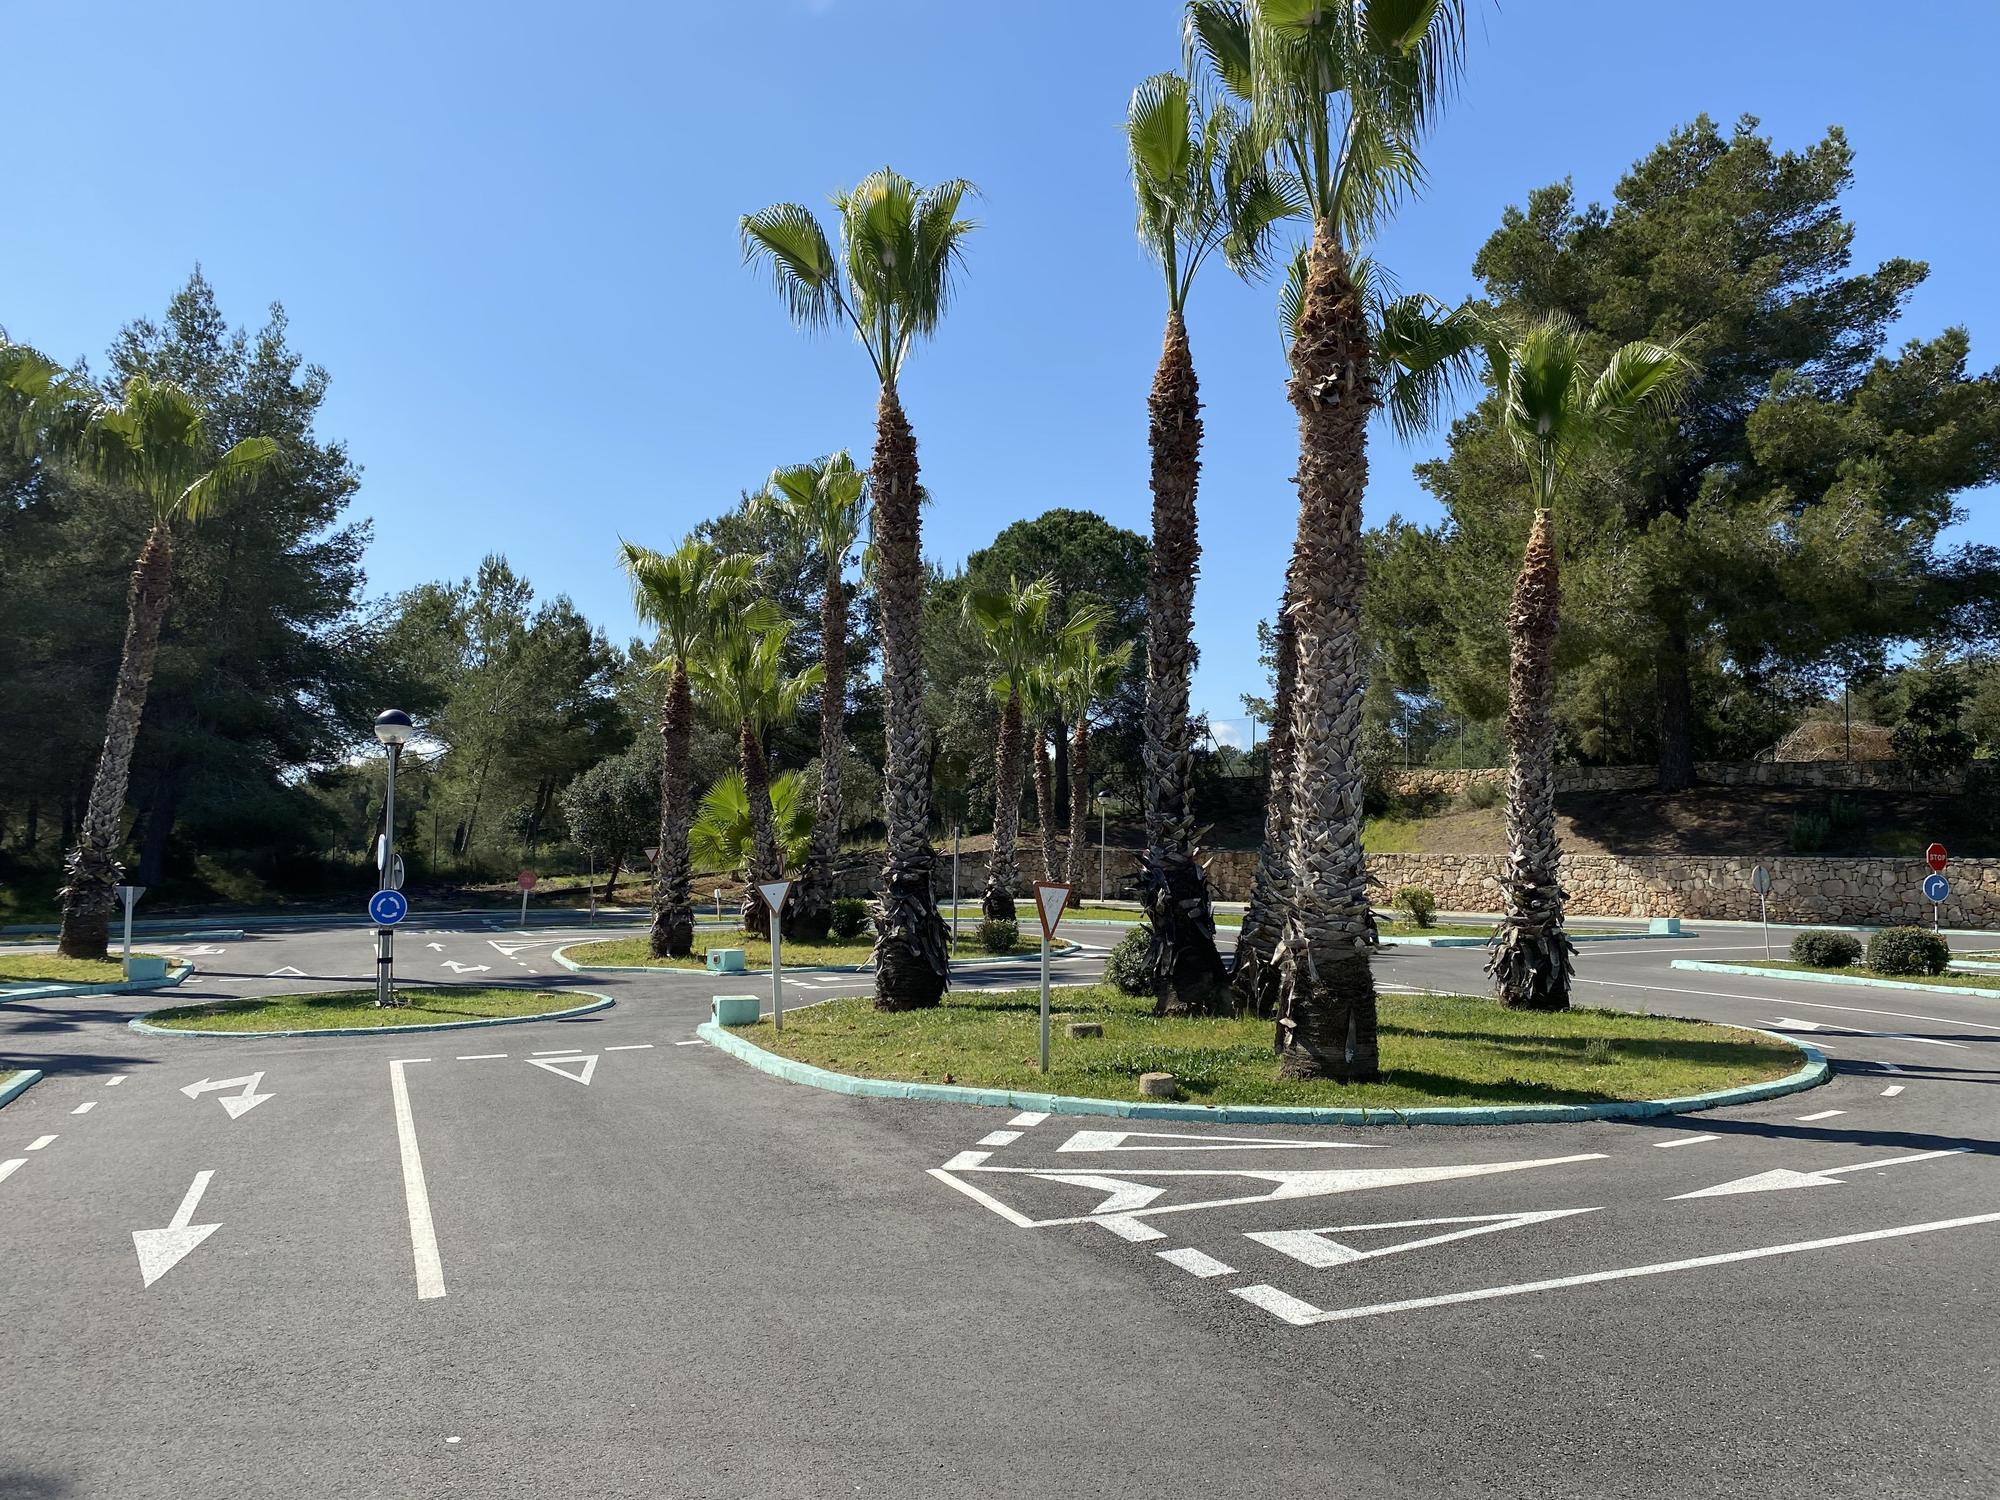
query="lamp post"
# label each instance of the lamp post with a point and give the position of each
(1103, 798)
(393, 729)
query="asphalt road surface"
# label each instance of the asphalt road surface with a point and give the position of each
(597, 1258)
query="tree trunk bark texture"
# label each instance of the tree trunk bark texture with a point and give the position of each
(1002, 870)
(673, 903)
(810, 916)
(911, 961)
(1530, 958)
(1047, 773)
(1676, 696)
(93, 870)
(1326, 1005)
(766, 862)
(1254, 974)
(1079, 806)
(1189, 977)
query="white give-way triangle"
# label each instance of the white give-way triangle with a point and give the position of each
(560, 1066)
(1317, 1248)
(160, 1250)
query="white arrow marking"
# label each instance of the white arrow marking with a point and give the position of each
(560, 1066)
(435, 947)
(238, 1105)
(1312, 1247)
(1125, 1196)
(160, 1250)
(1793, 1023)
(1114, 1140)
(1782, 1178)
(458, 968)
(288, 969)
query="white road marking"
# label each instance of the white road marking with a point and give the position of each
(40, 1141)
(560, 1066)
(1127, 1228)
(1686, 1140)
(1781, 1179)
(480, 1056)
(1892, 1091)
(1312, 1247)
(416, 1196)
(1114, 1140)
(115, 1079)
(160, 1250)
(638, 1046)
(12, 1165)
(1859, 1010)
(287, 972)
(1293, 1311)
(85, 1108)
(1793, 1023)
(556, 1052)
(966, 1160)
(1825, 1114)
(1000, 1138)
(1029, 1118)
(237, 1105)
(458, 968)
(696, 1042)
(1195, 1263)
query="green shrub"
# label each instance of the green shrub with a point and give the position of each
(1809, 830)
(850, 915)
(1130, 964)
(999, 935)
(1419, 903)
(1826, 950)
(1908, 950)
(1844, 813)
(1482, 795)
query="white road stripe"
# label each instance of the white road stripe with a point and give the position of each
(423, 1233)
(1000, 1138)
(1892, 1091)
(696, 1042)
(1487, 1294)
(1859, 1010)
(85, 1108)
(480, 1056)
(1282, 1304)
(554, 1051)
(1686, 1140)
(630, 1047)
(1195, 1263)
(12, 1165)
(1027, 1119)
(1825, 1114)
(966, 1159)
(39, 1142)
(1128, 1228)
(114, 1080)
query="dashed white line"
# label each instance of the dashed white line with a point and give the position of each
(1282, 1304)
(1686, 1140)
(1825, 1114)
(1195, 1263)
(552, 1051)
(1028, 1119)
(1131, 1229)
(636, 1046)
(480, 1056)
(40, 1141)
(694, 1042)
(966, 1159)
(1000, 1138)
(85, 1108)
(1892, 1091)
(12, 1165)
(416, 1196)
(114, 1080)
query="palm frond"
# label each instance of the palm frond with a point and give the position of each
(1640, 377)
(1218, 33)
(789, 239)
(1425, 353)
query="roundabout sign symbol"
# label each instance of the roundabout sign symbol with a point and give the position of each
(387, 908)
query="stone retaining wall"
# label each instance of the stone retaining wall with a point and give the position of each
(1435, 781)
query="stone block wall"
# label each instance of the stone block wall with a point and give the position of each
(1433, 781)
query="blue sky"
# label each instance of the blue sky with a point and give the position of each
(509, 232)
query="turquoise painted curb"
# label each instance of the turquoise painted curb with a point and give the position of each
(597, 1002)
(560, 955)
(1815, 1072)
(1869, 981)
(175, 976)
(18, 1085)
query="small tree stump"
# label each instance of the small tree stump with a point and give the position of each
(1085, 1028)
(1156, 1086)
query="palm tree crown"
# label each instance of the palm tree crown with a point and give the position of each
(1015, 624)
(155, 441)
(824, 501)
(741, 674)
(687, 594)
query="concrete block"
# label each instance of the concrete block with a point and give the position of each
(1664, 925)
(146, 966)
(1084, 1028)
(737, 1010)
(1156, 1086)
(727, 961)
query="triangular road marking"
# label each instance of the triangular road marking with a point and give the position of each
(287, 970)
(560, 1066)
(1125, 1196)
(240, 1105)
(511, 947)
(160, 1250)
(1314, 1248)
(1114, 1140)
(1774, 1181)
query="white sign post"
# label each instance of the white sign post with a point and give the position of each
(954, 889)
(526, 881)
(1760, 882)
(1049, 903)
(774, 893)
(130, 894)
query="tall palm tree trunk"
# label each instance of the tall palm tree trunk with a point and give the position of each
(811, 915)
(1254, 975)
(1045, 803)
(1326, 1012)
(1002, 869)
(672, 935)
(766, 863)
(911, 966)
(1531, 954)
(93, 868)
(1188, 973)
(1079, 803)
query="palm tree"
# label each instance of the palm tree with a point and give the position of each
(1014, 622)
(1551, 411)
(1201, 185)
(35, 392)
(722, 836)
(1085, 676)
(740, 677)
(900, 244)
(155, 443)
(822, 505)
(688, 595)
(1041, 711)
(1341, 95)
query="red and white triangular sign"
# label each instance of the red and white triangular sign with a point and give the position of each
(1049, 903)
(774, 893)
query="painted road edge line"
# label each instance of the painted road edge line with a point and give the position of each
(1815, 1071)
(1868, 981)
(19, 1084)
(416, 1195)
(561, 956)
(597, 1003)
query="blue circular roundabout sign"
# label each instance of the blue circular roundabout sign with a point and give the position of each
(387, 908)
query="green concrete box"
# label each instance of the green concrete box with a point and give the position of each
(727, 961)
(145, 966)
(737, 1010)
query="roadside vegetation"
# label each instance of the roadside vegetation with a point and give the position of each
(53, 968)
(339, 1008)
(637, 952)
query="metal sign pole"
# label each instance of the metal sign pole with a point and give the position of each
(131, 895)
(1045, 1000)
(954, 887)
(777, 972)
(524, 908)
(1936, 907)
(1764, 905)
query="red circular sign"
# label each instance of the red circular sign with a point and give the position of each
(526, 880)
(1934, 857)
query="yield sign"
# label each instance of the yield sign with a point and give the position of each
(1316, 1248)
(560, 1066)
(1049, 903)
(774, 893)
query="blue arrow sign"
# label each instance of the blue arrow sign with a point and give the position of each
(387, 908)
(1936, 888)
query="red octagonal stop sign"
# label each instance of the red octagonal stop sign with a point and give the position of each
(1934, 857)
